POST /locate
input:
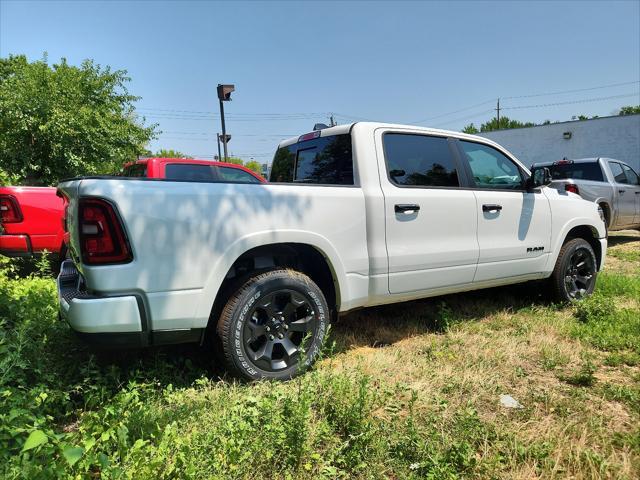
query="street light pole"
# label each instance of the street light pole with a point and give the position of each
(224, 131)
(219, 154)
(224, 95)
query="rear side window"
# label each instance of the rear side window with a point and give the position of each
(618, 173)
(193, 173)
(420, 160)
(581, 171)
(320, 161)
(135, 170)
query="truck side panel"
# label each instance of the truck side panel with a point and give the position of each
(185, 236)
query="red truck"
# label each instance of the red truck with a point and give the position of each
(31, 218)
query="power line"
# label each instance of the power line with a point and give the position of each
(572, 91)
(473, 115)
(285, 135)
(587, 100)
(455, 111)
(527, 96)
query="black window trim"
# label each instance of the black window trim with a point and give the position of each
(455, 155)
(469, 173)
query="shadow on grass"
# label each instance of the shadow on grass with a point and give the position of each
(387, 324)
(622, 239)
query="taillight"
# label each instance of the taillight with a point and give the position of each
(9, 210)
(102, 238)
(570, 187)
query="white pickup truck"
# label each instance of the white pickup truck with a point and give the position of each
(355, 215)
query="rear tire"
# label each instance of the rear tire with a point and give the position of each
(273, 326)
(574, 275)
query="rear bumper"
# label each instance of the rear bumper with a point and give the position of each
(112, 321)
(106, 321)
(15, 245)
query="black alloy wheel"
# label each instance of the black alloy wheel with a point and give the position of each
(277, 326)
(273, 326)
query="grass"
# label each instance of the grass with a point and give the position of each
(404, 391)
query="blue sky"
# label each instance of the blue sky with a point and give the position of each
(294, 62)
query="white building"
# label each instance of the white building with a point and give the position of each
(614, 137)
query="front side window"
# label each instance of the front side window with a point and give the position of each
(490, 168)
(420, 160)
(320, 161)
(228, 174)
(632, 177)
(618, 174)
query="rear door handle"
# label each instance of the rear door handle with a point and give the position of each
(491, 207)
(407, 208)
(621, 191)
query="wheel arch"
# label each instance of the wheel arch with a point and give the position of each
(588, 233)
(309, 253)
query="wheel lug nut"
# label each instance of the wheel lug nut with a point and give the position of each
(280, 335)
(286, 327)
(271, 337)
(268, 329)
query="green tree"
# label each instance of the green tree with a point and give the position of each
(60, 121)
(170, 153)
(505, 123)
(471, 129)
(629, 110)
(254, 165)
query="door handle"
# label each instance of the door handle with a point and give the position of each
(407, 208)
(621, 191)
(492, 207)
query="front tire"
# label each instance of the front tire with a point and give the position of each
(574, 275)
(273, 326)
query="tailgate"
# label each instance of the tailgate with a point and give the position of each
(70, 190)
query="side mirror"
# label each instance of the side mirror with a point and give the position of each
(540, 177)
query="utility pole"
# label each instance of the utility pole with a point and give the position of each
(498, 115)
(332, 122)
(224, 95)
(219, 153)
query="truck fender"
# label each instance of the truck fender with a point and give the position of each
(599, 232)
(248, 242)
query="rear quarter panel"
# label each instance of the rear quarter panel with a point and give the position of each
(185, 236)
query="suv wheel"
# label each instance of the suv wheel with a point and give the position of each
(273, 326)
(574, 276)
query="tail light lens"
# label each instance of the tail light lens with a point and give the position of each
(9, 210)
(102, 238)
(570, 187)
